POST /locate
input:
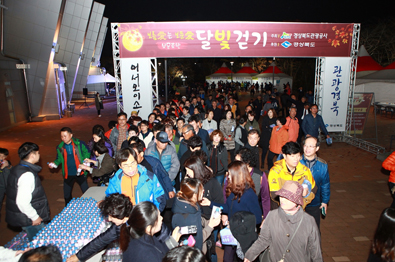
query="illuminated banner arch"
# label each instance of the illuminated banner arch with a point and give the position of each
(137, 45)
(234, 39)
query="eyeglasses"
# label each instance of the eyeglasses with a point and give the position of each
(129, 165)
(310, 146)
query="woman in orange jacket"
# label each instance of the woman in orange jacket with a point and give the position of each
(278, 139)
(389, 164)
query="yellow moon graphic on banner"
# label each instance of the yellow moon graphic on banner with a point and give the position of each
(132, 40)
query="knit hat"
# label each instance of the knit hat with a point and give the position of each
(292, 191)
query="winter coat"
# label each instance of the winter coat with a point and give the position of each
(278, 139)
(267, 127)
(161, 174)
(184, 214)
(99, 242)
(310, 125)
(240, 137)
(148, 187)
(253, 125)
(227, 128)
(149, 248)
(114, 136)
(213, 192)
(209, 126)
(389, 164)
(98, 102)
(147, 137)
(222, 158)
(14, 216)
(277, 231)
(255, 151)
(293, 129)
(168, 158)
(80, 151)
(105, 167)
(279, 174)
(248, 202)
(319, 170)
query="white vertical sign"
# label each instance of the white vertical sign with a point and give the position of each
(335, 94)
(137, 86)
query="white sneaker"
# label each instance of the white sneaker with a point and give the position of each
(99, 115)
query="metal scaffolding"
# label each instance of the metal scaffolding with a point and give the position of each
(319, 82)
(318, 97)
(117, 65)
(117, 70)
(353, 72)
(154, 81)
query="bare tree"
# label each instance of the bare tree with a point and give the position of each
(379, 40)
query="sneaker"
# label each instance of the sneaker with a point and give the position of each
(99, 115)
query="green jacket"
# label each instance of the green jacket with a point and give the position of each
(81, 151)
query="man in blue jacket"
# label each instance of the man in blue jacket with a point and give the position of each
(155, 166)
(319, 170)
(166, 154)
(135, 181)
(312, 122)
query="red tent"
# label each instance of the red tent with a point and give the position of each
(247, 70)
(223, 70)
(366, 65)
(269, 70)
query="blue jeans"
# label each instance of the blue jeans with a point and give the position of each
(33, 230)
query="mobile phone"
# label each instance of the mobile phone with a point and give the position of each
(216, 212)
(188, 230)
(323, 211)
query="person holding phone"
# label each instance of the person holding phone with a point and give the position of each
(142, 236)
(187, 212)
(319, 170)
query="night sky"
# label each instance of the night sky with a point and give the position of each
(244, 10)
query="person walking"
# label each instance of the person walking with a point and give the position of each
(268, 122)
(98, 103)
(227, 127)
(71, 152)
(290, 233)
(278, 139)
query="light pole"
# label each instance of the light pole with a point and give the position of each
(231, 74)
(183, 79)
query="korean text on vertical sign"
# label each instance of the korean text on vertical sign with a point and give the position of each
(136, 86)
(336, 90)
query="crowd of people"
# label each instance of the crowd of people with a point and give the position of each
(168, 173)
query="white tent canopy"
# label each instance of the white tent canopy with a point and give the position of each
(280, 78)
(107, 78)
(381, 83)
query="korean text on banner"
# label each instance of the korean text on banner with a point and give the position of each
(335, 94)
(233, 39)
(136, 86)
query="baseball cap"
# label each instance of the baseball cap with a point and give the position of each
(162, 137)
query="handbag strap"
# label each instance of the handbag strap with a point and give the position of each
(289, 243)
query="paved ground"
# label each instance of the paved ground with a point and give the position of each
(358, 184)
